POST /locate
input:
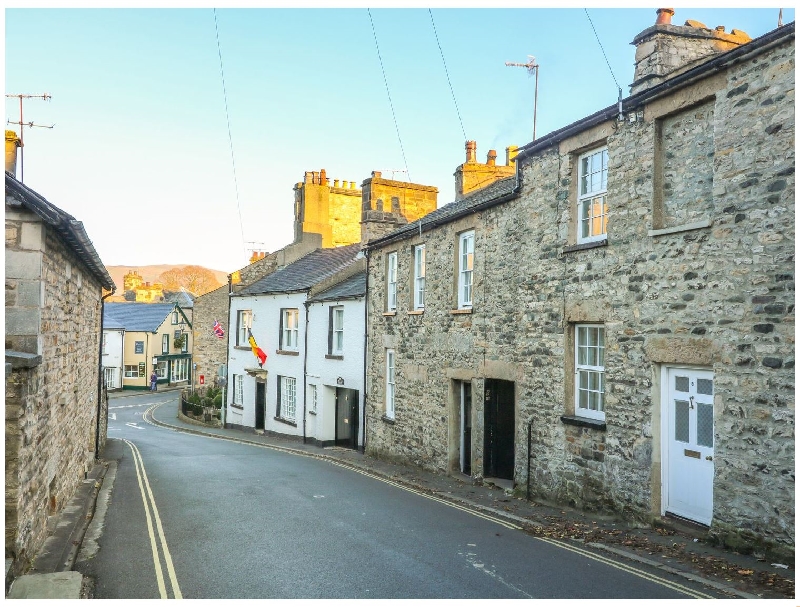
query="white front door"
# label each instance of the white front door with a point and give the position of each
(689, 460)
(110, 374)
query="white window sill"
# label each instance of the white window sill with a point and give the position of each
(288, 352)
(697, 225)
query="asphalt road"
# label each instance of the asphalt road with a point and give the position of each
(238, 521)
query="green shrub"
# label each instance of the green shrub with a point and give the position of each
(197, 410)
(218, 401)
(194, 398)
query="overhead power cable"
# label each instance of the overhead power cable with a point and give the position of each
(230, 138)
(386, 82)
(461, 122)
(602, 50)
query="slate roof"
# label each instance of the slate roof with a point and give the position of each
(66, 226)
(136, 316)
(499, 189)
(304, 273)
(350, 288)
(184, 298)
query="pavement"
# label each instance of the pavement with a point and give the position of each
(670, 546)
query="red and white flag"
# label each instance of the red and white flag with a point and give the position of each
(218, 330)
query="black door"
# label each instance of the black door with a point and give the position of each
(498, 429)
(261, 404)
(346, 418)
(466, 427)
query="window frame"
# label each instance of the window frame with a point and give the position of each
(244, 322)
(165, 343)
(238, 389)
(391, 382)
(466, 256)
(161, 369)
(289, 335)
(313, 396)
(336, 333)
(391, 282)
(587, 370)
(175, 317)
(130, 368)
(287, 397)
(591, 195)
(419, 277)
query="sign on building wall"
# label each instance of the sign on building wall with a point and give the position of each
(138, 347)
(141, 370)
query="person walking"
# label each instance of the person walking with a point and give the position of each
(153, 382)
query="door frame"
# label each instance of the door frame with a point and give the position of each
(464, 451)
(665, 434)
(353, 416)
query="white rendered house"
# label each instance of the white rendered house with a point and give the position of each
(273, 395)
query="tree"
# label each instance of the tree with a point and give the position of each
(195, 279)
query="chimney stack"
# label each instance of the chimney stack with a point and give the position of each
(491, 157)
(471, 146)
(511, 154)
(12, 143)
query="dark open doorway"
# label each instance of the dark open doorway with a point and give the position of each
(499, 428)
(261, 404)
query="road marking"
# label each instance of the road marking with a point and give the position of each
(141, 475)
(132, 406)
(133, 425)
(629, 569)
(601, 559)
(112, 416)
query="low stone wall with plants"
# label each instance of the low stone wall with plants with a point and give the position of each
(203, 405)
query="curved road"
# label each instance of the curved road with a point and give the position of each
(194, 517)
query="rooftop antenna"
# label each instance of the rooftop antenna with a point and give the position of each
(533, 69)
(22, 124)
(780, 17)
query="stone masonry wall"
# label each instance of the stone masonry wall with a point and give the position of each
(720, 296)
(51, 409)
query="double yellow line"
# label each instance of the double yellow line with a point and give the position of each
(147, 494)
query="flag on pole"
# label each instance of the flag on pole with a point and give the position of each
(257, 352)
(218, 330)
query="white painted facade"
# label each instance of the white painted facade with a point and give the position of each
(329, 372)
(324, 371)
(113, 340)
(266, 323)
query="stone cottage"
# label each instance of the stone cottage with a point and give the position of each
(56, 408)
(613, 327)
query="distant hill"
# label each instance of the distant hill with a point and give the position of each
(151, 273)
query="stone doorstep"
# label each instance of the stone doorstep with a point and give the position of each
(61, 585)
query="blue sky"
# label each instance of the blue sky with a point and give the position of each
(140, 150)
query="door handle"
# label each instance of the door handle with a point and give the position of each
(710, 458)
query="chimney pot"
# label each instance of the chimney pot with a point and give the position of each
(336, 183)
(491, 157)
(471, 146)
(376, 174)
(664, 16)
